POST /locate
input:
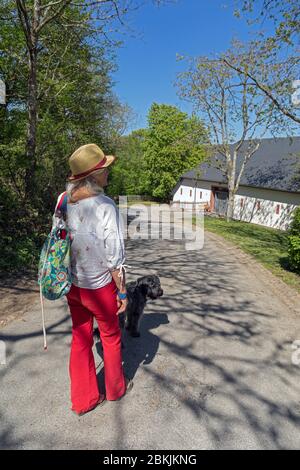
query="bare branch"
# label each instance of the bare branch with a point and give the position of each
(265, 90)
(51, 4)
(46, 19)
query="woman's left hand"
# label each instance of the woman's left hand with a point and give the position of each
(122, 305)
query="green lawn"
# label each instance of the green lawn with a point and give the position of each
(137, 201)
(266, 245)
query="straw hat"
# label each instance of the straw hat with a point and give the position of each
(86, 160)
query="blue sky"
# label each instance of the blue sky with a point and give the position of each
(147, 61)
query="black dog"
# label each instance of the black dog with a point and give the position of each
(138, 292)
(144, 288)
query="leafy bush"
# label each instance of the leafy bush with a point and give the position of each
(22, 231)
(294, 242)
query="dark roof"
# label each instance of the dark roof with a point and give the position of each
(275, 165)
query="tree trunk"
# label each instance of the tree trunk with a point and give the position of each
(32, 101)
(231, 185)
(230, 205)
(231, 191)
(32, 123)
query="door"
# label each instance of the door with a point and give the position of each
(221, 199)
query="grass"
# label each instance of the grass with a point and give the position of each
(268, 246)
(139, 202)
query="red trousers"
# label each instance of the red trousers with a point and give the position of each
(85, 304)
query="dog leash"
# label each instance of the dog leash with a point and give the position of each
(120, 273)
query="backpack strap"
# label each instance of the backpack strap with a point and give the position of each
(62, 203)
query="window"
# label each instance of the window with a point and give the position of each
(242, 202)
(277, 208)
(180, 191)
(200, 194)
(190, 193)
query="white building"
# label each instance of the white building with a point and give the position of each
(269, 190)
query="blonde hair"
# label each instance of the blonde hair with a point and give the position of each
(89, 183)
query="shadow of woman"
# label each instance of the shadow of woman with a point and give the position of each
(137, 351)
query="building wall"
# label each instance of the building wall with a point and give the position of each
(186, 192)
(265, 207)
(260, 206)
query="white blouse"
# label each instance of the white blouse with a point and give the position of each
(97, 240)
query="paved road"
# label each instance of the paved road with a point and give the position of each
(212, 368)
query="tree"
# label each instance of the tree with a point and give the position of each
(275, 72)
(238, 114)
(283, 14)
(174, 143)
(72, 90)
(128, 173)
(35, 17)
(76, 103)
(76, 106)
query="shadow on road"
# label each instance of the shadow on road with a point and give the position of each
(137, 351)
(224, 349)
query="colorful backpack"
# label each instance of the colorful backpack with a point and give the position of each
(54, 272)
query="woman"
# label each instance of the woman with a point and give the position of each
(98, 279)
